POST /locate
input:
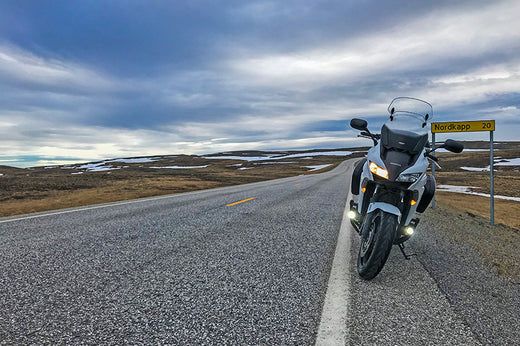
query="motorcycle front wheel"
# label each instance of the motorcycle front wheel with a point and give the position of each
(377, 238)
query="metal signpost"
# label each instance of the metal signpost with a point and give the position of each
(470, 126)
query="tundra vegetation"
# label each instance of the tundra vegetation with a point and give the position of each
(39, 189)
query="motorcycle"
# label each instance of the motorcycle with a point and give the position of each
(391, 182)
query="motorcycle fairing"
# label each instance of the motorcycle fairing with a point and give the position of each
(402, 141)
(389, 208)
(356, 177)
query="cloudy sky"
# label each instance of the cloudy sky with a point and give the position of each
(88, 80)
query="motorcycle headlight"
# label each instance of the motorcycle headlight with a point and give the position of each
(383, 173)
(409, 178)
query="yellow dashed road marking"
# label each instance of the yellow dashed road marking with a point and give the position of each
(242, 201)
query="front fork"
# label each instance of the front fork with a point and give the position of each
(375, 196)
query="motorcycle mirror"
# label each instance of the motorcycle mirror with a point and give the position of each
(359, 124)
(453, 146)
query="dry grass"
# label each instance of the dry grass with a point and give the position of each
(25, 191)
(498, 245)
(118, 191)
(507, 183)
(506, 212)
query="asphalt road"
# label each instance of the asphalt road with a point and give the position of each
(196, 268)
(185, 269)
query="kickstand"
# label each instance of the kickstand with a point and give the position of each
(406, 256)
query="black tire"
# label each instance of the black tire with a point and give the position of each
(377, 238)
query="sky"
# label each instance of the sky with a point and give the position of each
(90, 80)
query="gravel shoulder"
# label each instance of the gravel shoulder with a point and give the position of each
(403, 305)
(475, 265)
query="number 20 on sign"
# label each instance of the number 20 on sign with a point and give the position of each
(464, 126)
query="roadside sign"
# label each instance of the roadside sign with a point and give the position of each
(470, 126)
(464, 126)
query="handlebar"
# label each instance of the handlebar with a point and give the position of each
(430, 156)
(366, 134)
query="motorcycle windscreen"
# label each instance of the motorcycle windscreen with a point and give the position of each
(402, 140)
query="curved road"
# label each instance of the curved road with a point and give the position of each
(199, 268)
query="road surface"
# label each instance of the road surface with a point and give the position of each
(250, 264)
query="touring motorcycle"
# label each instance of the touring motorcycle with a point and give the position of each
(391, 182)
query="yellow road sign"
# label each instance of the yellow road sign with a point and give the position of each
(464, 126)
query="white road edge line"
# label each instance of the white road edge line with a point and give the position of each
(333, 329)
(74, 210)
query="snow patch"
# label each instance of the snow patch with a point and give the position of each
(93, 167)
(501, 162)
(508, 162)
(104, 165)
(274, 163)
(243, 158)
(318, 153)
(280, 157)
(316, 167)
(467, 190)
(442, 150)
(97, 167)
(136, 160)
(103, 169)
(181, 167)
(476, 169)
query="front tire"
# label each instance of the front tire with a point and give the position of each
(377, 238)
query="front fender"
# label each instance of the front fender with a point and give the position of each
(386, 207)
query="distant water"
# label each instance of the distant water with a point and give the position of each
(35, 161)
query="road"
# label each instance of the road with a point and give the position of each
(200, 268)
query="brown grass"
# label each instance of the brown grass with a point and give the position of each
(507, 183)
(39, 189)
(506, 212)
(118, 191)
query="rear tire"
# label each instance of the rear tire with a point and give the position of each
(377, 238)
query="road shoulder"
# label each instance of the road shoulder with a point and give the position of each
(488, 303)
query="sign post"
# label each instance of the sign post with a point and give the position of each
(492, 183)
(433, 166)
(470, 126)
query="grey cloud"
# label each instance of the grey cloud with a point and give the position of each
(269, 74)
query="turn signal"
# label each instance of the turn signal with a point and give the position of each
(363, 189)
(413, 202)
(378, 170)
